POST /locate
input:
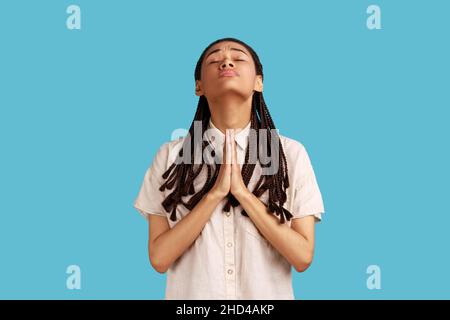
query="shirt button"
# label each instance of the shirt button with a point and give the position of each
(229, 244)
(230, 271)
(227, 214)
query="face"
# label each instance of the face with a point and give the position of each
(228, 68)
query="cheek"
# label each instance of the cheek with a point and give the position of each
(210, 70)
(208, 79)
(248, 70)
(248, 76)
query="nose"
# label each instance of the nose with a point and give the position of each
(226, 64)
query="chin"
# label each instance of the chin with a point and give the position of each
(233, 92)
(230, 89)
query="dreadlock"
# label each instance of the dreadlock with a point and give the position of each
(180, 176)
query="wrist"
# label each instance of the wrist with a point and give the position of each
(214, 196)
(242, 195)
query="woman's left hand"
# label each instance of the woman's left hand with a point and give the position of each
(237, 187)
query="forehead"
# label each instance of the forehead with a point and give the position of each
(226, 45)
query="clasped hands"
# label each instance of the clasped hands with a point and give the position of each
(229, 179)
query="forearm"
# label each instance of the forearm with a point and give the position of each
(170, 245)
(291, 244)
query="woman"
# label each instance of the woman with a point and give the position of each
(231, 228)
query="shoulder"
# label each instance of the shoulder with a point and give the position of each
(166, 154)
(170, 147)
(293, 149)
(297, 157)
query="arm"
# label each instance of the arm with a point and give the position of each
(295, 243)
(166, 244)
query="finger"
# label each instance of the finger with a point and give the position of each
(235, 166)
(224, 151)
(228, 146)
(233, 149)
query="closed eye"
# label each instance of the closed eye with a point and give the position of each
(219, 61)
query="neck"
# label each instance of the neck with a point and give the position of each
(230, 112)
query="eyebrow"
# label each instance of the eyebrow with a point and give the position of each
(235, 49)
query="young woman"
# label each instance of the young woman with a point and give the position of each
(233, 228)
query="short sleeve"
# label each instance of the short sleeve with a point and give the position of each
(307, 198)
(149, 198)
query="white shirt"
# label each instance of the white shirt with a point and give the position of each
(231, 259)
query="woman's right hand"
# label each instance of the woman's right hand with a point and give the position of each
(221, 187)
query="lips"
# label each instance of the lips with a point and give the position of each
(228, 73)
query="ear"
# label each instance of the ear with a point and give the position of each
(198, 88)
(258, 83)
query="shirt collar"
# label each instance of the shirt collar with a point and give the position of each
(217, 138)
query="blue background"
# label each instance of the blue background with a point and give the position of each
(82, 113)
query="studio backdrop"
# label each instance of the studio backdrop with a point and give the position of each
(89, 90)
